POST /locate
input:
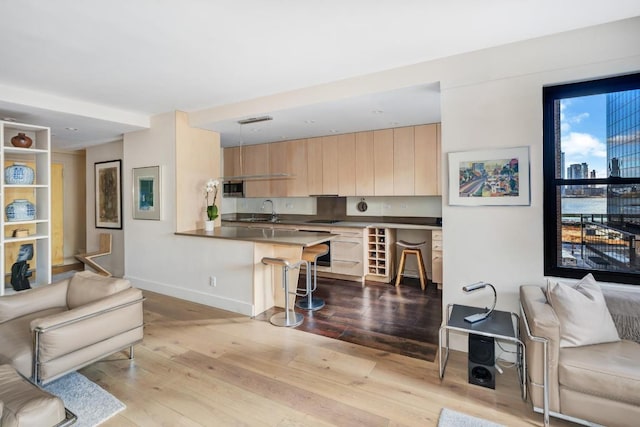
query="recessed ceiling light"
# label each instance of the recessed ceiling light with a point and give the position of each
(9, 119)
(394, 123)
(309, 121)
(255, 130)
(333, 130)
(72, 129)
(377, 112)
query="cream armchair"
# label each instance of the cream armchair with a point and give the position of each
(55, 329)
(596, 383)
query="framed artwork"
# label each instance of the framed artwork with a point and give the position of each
(490, 177)
(108, 180)
(146, 193)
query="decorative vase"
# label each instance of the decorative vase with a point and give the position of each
(20, 210)
(208, 225)
(21, 140)
(18, 174)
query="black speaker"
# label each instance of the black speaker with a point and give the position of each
(482, 361)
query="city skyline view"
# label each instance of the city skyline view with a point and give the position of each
(583, 133)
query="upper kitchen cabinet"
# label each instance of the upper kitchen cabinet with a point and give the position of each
(383, 162)
(347, 164)
(231, 162)
(403, 161)
(322, 165)
(364, 169)
(289, 157)
(314, 166)
(256, 162)
(427, 160)
(330, 165)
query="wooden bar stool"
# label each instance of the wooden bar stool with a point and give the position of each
(411, 249)
(289, 317)
(311, 255)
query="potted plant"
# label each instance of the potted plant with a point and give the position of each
(212, 209)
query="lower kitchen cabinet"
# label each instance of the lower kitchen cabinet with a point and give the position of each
(436, 257)
(380, 254)
(347, 252)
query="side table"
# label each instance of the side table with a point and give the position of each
(501, 325)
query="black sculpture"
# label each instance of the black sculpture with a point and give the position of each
(20, 269)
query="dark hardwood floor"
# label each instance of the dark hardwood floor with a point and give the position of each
(402, 320)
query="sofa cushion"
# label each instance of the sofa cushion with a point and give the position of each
(86, 287)
(582, 312)
(17, 340)
(606, 370)
(26, 405)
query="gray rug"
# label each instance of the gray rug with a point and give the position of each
(450, 418)
(91, 403)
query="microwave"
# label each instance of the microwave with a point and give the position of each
(233, 188)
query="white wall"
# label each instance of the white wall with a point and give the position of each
(490, 98)
(160, 261)
(493, 99)
(115, 261)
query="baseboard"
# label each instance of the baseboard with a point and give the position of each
(222, 303)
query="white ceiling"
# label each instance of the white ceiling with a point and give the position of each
(105, 66)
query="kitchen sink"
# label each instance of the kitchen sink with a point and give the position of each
(257, 220)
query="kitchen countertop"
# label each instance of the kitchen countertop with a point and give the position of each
(262, 235)
(387, 223)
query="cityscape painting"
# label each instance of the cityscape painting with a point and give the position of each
(489, 177)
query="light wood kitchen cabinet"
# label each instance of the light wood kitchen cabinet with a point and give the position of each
(347, 164)
(231, 162)
(403, 161)
(427, 160)
(383, 162)
(256, 162)
(297, 167)
(330, 165)
(365, 173)
(314, 166)
(380, 254)
(436, 257)
(277, 165)
(347, 252)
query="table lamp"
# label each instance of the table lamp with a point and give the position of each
(480, 316)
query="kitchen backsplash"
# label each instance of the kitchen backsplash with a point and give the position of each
(416, 206)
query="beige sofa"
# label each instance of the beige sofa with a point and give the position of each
(23, 404)
(597, 383)
(49, 331)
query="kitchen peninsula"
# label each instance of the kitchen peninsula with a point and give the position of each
(266, 242)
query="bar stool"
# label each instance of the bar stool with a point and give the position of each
(311, 255)
(289, 317)
(411, 249)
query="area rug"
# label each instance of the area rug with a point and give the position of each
(450, 418)
(91, 403)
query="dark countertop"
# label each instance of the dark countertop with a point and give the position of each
(263, 235)
(427, 223)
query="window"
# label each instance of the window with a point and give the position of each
(592, 179)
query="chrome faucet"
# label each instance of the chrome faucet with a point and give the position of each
(274, 215)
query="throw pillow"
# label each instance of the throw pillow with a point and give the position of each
(582, 312)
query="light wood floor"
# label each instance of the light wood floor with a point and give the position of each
(203, 366)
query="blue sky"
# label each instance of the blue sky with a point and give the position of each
(583, 124)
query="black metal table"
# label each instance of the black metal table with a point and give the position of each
(501, 325)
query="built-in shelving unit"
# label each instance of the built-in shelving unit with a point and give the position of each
(380, 256)
(38, 230)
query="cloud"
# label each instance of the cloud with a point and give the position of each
(578, 147)
(567, 118)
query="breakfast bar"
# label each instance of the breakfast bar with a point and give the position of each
(267, 242)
